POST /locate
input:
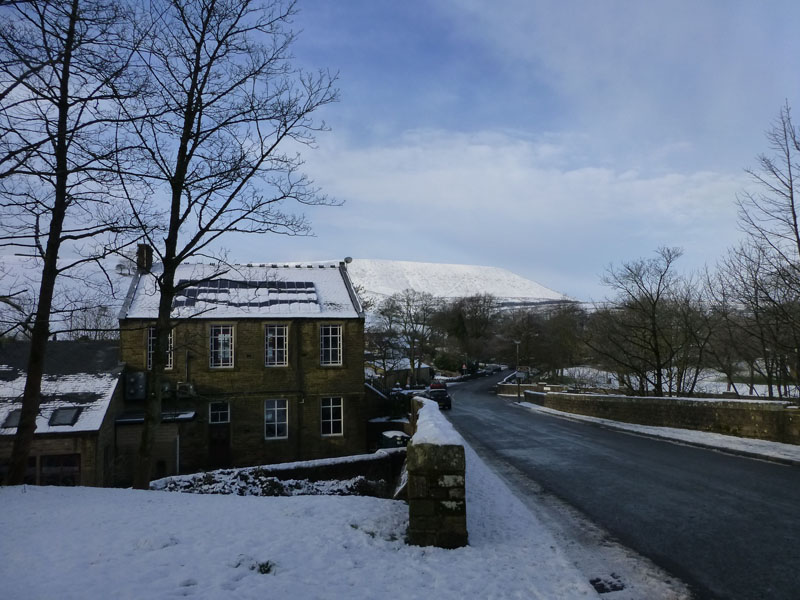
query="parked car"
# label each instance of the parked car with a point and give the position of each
(442, 398)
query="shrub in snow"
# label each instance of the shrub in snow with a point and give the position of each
(255, 482)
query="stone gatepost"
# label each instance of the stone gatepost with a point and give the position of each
(437, 507)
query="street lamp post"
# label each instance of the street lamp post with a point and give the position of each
(517, 368)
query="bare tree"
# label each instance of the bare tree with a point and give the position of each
(413, 313)
(652, 333)
(471, 322)
(522, 330)
(225, 116)
(560, 344)
(769, 261)
(758, 314)
(60, 64)
(770, 216)
(382, 342)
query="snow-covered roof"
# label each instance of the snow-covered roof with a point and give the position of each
(212, 291)
(391, 366)
(381, 278)
(78, 375)
(89, 392)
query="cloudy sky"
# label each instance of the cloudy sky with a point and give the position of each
(552, 138)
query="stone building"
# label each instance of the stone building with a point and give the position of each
(74, 439)
(266, 365)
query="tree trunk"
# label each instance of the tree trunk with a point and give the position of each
(31, 398)
(155, 394)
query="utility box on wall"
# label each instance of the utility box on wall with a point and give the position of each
(135, 385)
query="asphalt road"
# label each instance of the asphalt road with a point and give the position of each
(727, 526)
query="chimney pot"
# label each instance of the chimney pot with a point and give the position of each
(144, 258)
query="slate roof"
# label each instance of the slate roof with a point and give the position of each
(289, 290)
(79, 375)
(62, 358)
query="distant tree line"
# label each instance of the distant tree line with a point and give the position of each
(662, 329)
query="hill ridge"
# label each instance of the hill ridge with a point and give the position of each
(380, 278)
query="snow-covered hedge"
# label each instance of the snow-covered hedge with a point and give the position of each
(257, 482)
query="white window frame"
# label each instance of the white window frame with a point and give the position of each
(331, 422)
(215, 356)
(330, 345)
(151, 346)
(279, 333)
(214, 415)
(279, 407)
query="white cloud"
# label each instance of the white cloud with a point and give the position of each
(498, 199)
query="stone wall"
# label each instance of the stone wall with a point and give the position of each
(381, 470)
(510, 389)
(774, 421)
(437, 505)
(53, 445)
(383, 465)
(166, 453)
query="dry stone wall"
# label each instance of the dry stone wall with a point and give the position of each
(774, 421)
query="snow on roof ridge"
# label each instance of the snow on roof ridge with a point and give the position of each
(291, 264)
(273, 289)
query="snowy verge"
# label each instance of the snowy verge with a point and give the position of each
(87, 543)
(773, 451)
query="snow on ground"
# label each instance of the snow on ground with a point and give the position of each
(87, 543)
(710, 381)
(697, 399)
(746, 446)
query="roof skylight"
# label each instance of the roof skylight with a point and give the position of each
(65, 416)
(12, 420)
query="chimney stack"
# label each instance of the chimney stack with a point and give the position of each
(144, 258)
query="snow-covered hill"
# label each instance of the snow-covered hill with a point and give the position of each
(378, 279)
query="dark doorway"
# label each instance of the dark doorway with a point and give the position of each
(219, 445)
